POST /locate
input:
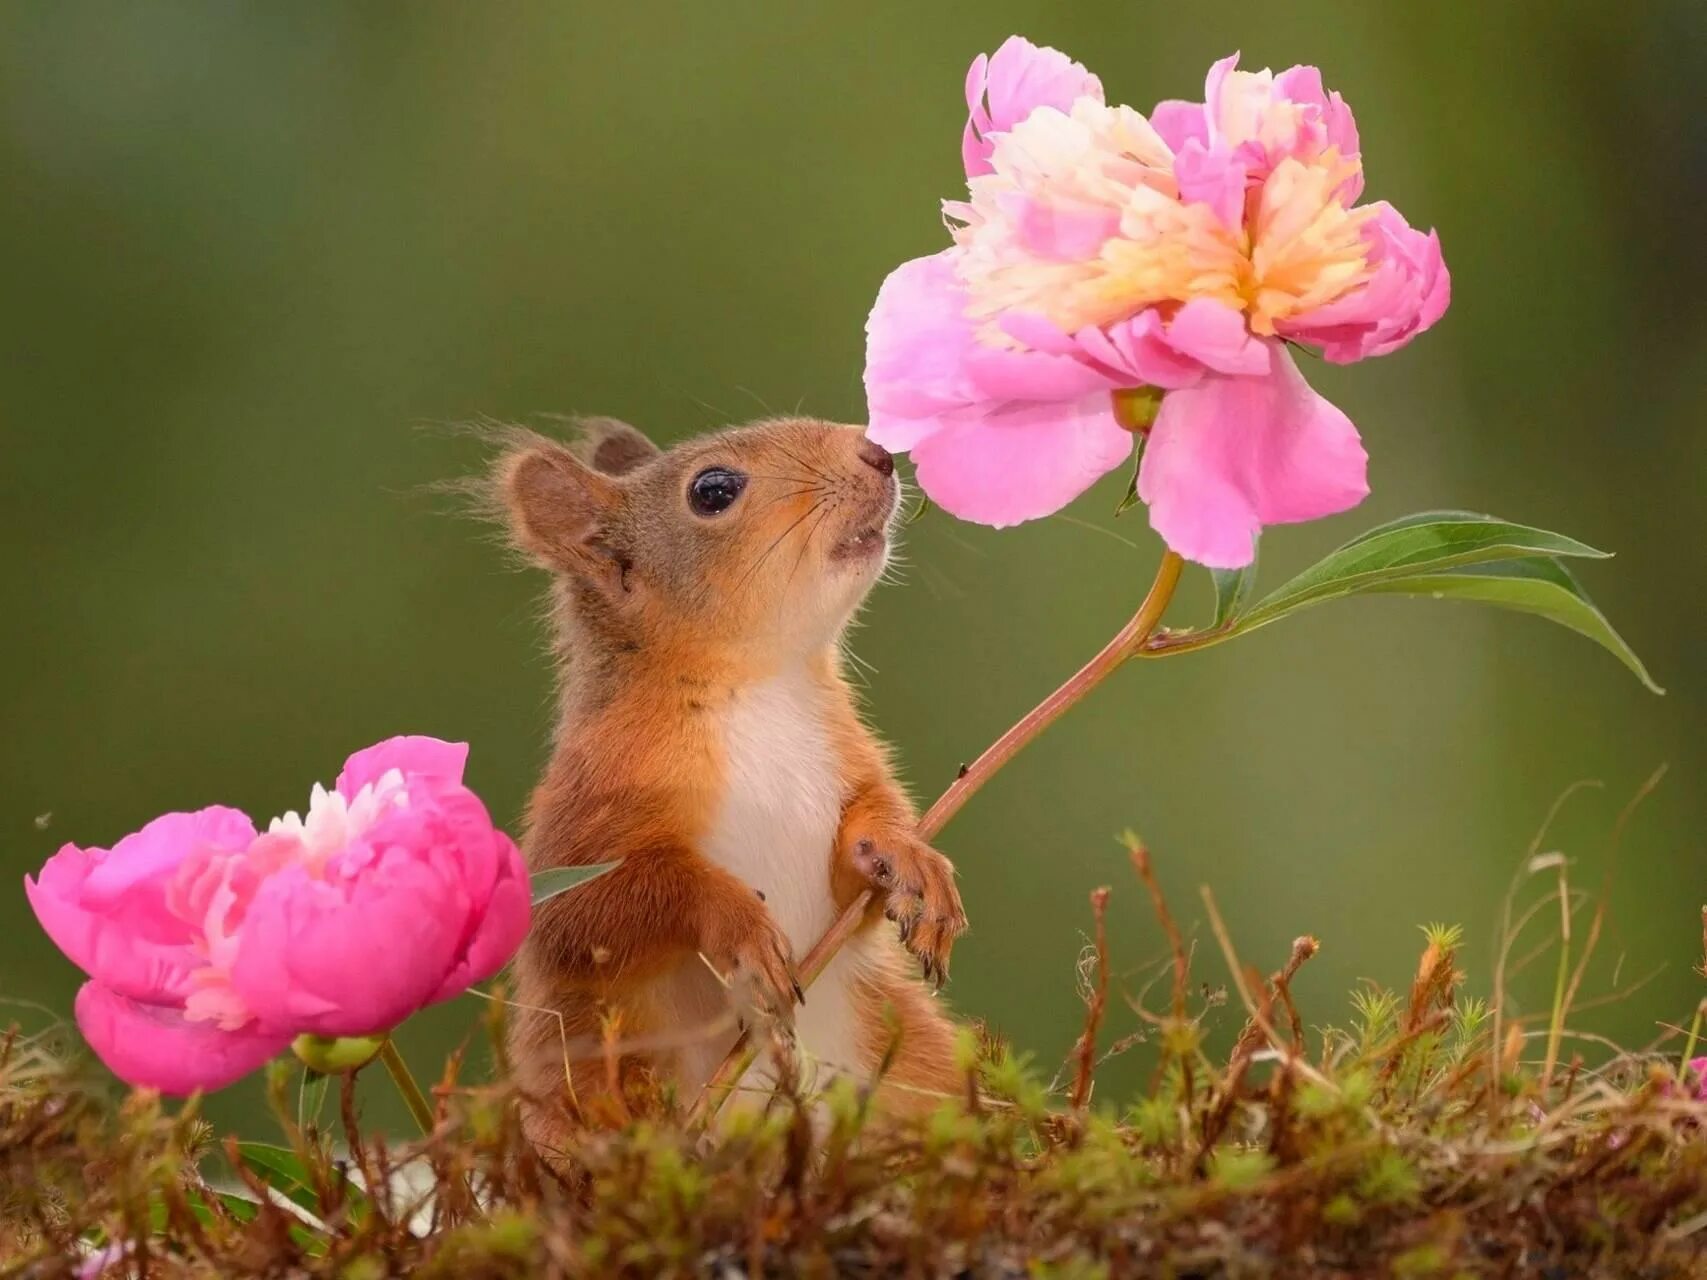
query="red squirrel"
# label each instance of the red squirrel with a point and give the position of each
(708, 742)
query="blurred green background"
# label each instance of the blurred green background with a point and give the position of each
(249, 249)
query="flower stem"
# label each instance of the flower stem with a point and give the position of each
(416, 1101)
(1125, 644)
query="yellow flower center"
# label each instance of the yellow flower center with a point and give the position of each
(1300, 248)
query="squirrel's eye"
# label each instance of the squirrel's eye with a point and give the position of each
(714, 490)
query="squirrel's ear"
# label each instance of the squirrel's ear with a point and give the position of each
(557, 505)
(612, 447)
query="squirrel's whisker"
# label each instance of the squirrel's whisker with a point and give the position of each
(805, 546)
(775, 498)
(799, 461)
(777, 542)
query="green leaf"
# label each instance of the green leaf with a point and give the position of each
(918, 513)
(283, 1171)
(548, 884)
(1540, 586)
(280, 1169)
(1417, 544)
(1130, 498)
(239, 1207)
(1233, 591)
(1447, 554)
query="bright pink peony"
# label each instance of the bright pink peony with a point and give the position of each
(1100, 250)
(210, 947)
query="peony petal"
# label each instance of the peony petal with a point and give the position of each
(348, 960)
(1021, 460)
(1230, 106)
(155, 1047)
(1179, 123)
(111, 947)
(1408, 293)
(917, 338)
(999, 374)
(1303, 84)
(503, 924)
(1037, 332)
(154, 852)
(1062, 229)
(109, 911)
(1214, 176)
(414, 756)
(1231, 455)
(974, 151)
(1215, 334)
(1138, 348)
(1007, 87)
(431, 899)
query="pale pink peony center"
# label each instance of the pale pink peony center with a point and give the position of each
(212, 890)
(1081, 222)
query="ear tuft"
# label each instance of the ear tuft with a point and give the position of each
(556, 504)
(612, 447)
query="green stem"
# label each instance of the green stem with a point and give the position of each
(1689, 1047)
(416, 1101)
(1556, 1025)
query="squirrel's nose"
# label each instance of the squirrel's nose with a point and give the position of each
(877, 458)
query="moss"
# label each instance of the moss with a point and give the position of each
(1386, 1151)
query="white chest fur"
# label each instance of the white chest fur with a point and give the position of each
(781, 803)
(775, 828)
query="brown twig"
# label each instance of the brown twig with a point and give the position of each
(1140, 856)
(1258, 1029)
(1258, 1010)
(1181, 959)
(1302, 949)
(1095, 1005)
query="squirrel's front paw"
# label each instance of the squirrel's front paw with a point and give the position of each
(761, 971)
(917, 885)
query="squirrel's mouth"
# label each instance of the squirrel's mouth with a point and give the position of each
(870, 540)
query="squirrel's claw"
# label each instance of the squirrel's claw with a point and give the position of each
(919, 898)
(764, 979)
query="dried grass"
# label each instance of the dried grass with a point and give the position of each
(1431, 1134)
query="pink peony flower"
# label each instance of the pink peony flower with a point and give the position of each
(1100, 250)
(210, 946)
(1698, 1069)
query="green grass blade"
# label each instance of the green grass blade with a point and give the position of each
(548, 884)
